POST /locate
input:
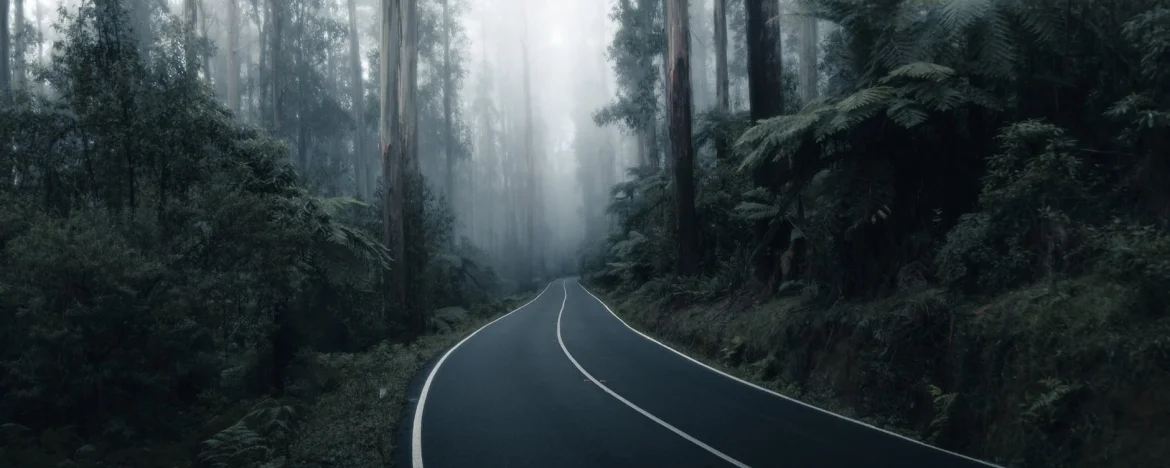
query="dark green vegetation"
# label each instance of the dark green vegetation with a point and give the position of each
(174, 292)
(965, 237)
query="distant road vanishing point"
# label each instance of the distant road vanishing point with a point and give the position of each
(562, 382)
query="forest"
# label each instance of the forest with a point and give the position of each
(233, 232)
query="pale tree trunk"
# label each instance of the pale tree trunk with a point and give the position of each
(356, 96)
(203, 27)
(448, 141)
(18, 36)
(191, 11)
(808, 58)
(722, 82)
(233, 64)
(393, 177)
(529, 156)
(5, 53)
(678, 92)
(275, 25)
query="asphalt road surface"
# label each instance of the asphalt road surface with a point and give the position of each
(561, 382)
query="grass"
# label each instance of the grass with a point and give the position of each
(353, 424)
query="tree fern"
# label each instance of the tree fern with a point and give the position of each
(958, 15)
(920, 70)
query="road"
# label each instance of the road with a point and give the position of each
(561, 382)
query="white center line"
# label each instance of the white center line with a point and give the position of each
(645, 413)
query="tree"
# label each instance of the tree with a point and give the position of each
(233, 58)
(191, 12)
(356, 98)
(678, 92)
(448, 90)
(19, 42)
(531, 201)
(808, 58)
(765, 89)
(722, 82)
(5, 54)
(393, 180)
(632, 52)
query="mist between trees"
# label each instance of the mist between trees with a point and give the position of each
(207, 202)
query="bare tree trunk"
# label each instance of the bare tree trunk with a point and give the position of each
(5, 54)
(275, 30)
(233, 64)
(529, 157)
(19, 40)
(392, 170)
(191, 10)
(808, 58)
(678, 92)
(766, 100)
(448, 141)
(722, 81)
(206, 33)
(357, 98)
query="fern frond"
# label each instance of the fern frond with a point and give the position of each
(906, 113)
(958, 15)
(867, 97)
(921, 70)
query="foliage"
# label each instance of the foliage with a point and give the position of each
(159, 259)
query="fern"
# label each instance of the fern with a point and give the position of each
(958, 15)
(921, 70)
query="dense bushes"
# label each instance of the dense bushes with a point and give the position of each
(949, 198)
(160, 260)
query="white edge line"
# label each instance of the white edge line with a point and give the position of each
(773, 393)
(645, 413)
(416, 430)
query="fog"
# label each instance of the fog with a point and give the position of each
(508, 61)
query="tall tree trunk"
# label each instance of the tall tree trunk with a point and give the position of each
(766, 100)
(392, 170)
(357, 98)
(191, 11)
(666, 152)
(808, 58)
(233, 64)
(722, 81)
(678, 92)
(140, 22)
(529, 156)
(19, 37)
(5, 54)
(448, 140)
(276, 20)
(203, 28)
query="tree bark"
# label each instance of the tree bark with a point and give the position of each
(678, 92)
(191, 11)
(18, 43)
(529, 157)
(5, 54)
(392, 170)
(407, 150)
(765, 100)
(722, 81)
(808, 58)
(275, 30)
(233, 64)
(357, 98)
(448, 145)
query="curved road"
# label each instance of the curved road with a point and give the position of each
(561, 382)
